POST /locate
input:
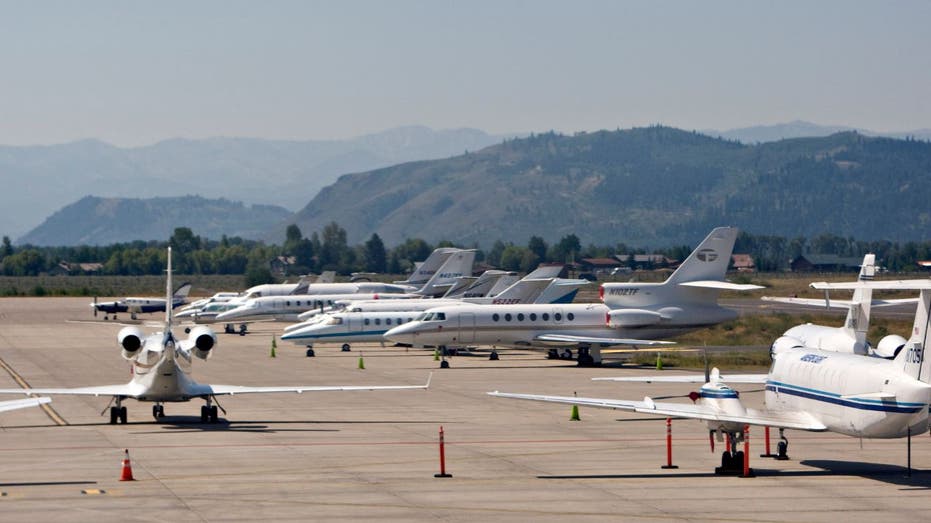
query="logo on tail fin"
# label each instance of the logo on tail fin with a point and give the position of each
(707, 255)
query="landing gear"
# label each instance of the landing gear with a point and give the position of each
(228, 329)
(310, 351)
(132, 316)
(208, 414)
(585, 358)
(443, 352)
(552, 354)
(493, 356)
(346, 347)
(782, 448)
(732, 461)
(118, 414)
(158, 411)
(242, 329)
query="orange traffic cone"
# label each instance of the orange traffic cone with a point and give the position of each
(127, 474)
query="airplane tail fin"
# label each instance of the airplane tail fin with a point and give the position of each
(183, 290)
(858, 314)
(301, 286)
(522, 291)
(709, 260)
(425, 270)
(476, 287)
(912, 355)
(168, 293)
(457, 264)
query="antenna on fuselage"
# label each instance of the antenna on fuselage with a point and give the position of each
(168, 294)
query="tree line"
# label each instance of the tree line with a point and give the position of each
(329, 250)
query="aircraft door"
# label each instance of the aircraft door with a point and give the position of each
(466, 327)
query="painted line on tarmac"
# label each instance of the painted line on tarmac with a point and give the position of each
(49, 411)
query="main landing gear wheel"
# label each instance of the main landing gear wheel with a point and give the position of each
(782, 448)
(552, 354)
(118, 415)
(310, 352)
(208, 414)
(346, 347)
(242, 329)
(158, 411)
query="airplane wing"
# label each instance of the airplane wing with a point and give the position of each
(217, 390)
(126, 390)
(787, 420)
(721, 285)
(22, 404)
(838, 304)
(594, 340)
(690, 378)
(882, 285)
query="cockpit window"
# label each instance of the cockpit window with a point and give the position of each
(440, 316)
(335, 320)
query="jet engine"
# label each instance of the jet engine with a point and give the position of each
(131, 340)
(202, 339)
(632, 318)
(889, 346)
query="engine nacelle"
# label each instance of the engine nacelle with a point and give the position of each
(131, 339)
(622, 318)
(202, 340)
(889, 346)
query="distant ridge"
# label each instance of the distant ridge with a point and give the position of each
(649, 186)
(39, 180)
(103, 221)
(803, 129)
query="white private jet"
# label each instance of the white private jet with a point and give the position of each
(287, 308)
(632, 313)
(370, 326)
(161, 368)
(851, 337)
(135, 305)
(806, 389)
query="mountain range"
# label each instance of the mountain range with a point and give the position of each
(803, 129)
(104, 221)
(39, 180)
(653, 186)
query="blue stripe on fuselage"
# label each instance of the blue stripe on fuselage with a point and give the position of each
(836, 399)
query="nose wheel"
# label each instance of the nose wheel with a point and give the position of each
(158, 411)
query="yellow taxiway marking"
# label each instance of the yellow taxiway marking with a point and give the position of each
(49, 411)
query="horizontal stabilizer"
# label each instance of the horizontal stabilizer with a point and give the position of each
(22, 404)
(886, 285)
(721, 285)
(838, 304)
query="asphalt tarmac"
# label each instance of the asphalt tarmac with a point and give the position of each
(373, 455)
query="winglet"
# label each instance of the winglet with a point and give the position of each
(648, 403)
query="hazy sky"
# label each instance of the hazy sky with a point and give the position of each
(133, 73)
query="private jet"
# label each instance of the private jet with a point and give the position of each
(161, 369)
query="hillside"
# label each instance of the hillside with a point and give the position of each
(40, 180)
(103, 221)
(649, 186)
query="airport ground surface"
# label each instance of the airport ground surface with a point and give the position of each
(354, 455)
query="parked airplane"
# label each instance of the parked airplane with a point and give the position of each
(851, 337)
(807, 389)
(141, 305)
(161, 366)
(458, 263)
(632, 313)
(370, 326)
(220, 297)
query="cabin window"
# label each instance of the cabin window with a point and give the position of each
(367, 321)
(387, 321)
(570, 316)
(533, 316)
(495, 317)
(557, 316)
(546, 316)
(507, 317)
(520, 316)
(377, 321)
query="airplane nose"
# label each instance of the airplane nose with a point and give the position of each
(402, 333)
